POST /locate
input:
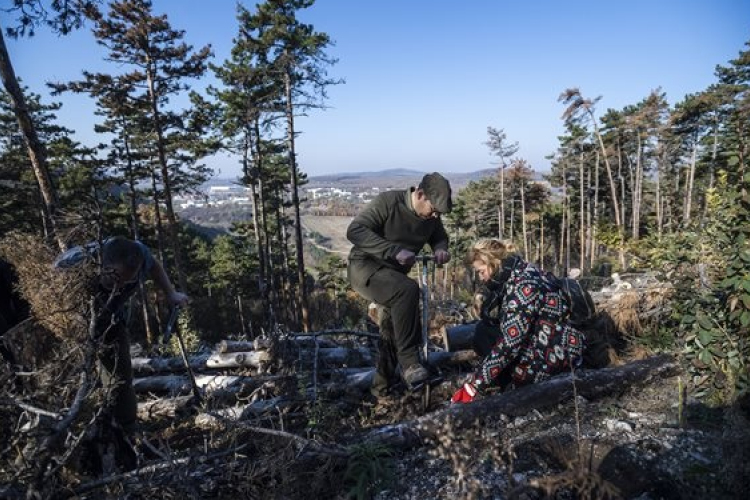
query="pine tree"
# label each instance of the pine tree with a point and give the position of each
(162, 62)
(297, 58)
(61, 17)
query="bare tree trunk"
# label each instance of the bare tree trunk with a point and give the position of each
(35, 148)
(541, 239)
(501, 208)
(159, 237)
(595, 223)
(637, 190)
(135, 228)
(689, 185)
(613, 190)
(561, 260)
(250, 177)
(512, 218)
(659, 202)
(286, 286)
(581, 210)
(302, 287)
(523, 225)
(165, 179)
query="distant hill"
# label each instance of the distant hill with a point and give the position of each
(393, 178)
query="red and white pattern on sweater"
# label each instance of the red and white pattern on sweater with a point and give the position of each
(536, 340)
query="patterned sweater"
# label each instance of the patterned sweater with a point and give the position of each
(535, 339)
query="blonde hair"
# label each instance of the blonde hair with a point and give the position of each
(491, 252)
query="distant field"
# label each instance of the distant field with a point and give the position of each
(332, 227)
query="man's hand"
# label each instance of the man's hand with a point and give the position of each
(442, 257)
(406, 257)
(178, 298)
(465, 394)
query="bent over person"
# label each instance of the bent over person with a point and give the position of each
(524, 334)
(125, 264)
(387, 235)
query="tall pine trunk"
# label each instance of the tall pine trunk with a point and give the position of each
(36, 149)
(166, 180)
(301, 288)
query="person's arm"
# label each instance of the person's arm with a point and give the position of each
(439, 239)
(364, 231)
(439, 243)
(161, 279)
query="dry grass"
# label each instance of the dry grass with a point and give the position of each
(55, 296)
(625, 312)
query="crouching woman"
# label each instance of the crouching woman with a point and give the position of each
(523, 335)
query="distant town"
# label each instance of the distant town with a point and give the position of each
(232, 194)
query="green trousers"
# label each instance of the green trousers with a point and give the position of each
(397, 296)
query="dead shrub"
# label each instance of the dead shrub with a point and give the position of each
(625, 312)
(56, 298)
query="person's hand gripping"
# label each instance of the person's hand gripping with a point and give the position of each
(406, 257)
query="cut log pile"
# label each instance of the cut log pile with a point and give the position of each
(239, 379)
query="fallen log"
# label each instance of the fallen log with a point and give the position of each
(178, 385)
(590, 384)
(458, 337)
(223, 416)
(247, 359)
(164, 408)
(301, 342)
(264, 343)
(142, 365)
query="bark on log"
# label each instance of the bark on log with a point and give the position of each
(590, 384)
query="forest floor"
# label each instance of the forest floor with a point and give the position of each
(634, 445)
(631, 445)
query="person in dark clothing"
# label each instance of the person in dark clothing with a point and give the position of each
(13, 307)
(524, 334)
(387, 235)
(124, 265)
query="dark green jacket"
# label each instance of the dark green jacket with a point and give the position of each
(389, 224)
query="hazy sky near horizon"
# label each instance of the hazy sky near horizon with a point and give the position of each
(425, 78)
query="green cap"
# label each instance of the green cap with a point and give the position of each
(438, 191)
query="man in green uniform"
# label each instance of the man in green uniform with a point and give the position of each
(387, 235)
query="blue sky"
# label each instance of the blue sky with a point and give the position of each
(425, 78)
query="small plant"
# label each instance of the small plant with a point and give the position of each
(370, 470)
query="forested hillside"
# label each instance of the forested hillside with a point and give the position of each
(258, 386)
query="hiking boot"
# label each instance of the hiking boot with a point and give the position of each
(416, 375)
